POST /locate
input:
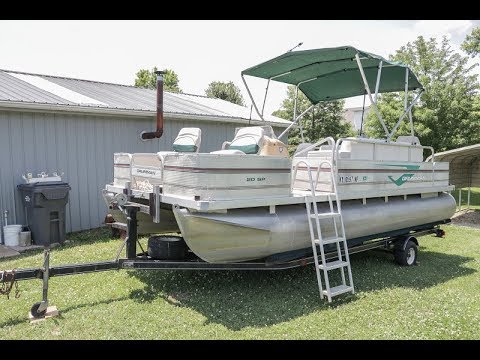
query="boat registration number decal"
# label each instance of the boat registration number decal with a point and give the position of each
(352, 179)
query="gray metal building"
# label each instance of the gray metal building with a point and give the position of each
(74, 126)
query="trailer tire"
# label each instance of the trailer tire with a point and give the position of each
(34, 311)
(166, 247)
(406, 255)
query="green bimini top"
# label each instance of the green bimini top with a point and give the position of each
(332, 73)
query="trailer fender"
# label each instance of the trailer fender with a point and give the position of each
(402, 242)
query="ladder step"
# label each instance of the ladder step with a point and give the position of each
(337, 290)
(328, 215)
(327, 241)
(333, 265)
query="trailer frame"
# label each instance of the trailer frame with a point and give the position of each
(141, 261)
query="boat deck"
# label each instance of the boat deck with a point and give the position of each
(297, 197)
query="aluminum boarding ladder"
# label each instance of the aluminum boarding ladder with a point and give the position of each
(342, 259)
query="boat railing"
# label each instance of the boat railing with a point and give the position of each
(331, 142)
(116, 165)
(376, 142)
(328, 140)
(313, 185)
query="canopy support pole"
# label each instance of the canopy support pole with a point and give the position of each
(377, 85)
(295, 113)
(374, 105)
(295, 104)
(265, 98)
(294, 122)
(301, 131)
(411, 122)
(251, 98)
(406, 101)
(405, 113)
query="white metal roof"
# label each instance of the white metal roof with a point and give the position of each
(45, 92)
(464, 165)
(466, 153)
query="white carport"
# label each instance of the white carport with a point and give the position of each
(464, 168)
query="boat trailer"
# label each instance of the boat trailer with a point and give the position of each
(141, 261)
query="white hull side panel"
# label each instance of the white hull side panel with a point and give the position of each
(362, 175)
(226, 177)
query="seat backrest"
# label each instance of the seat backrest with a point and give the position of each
(188, 140)
(412, 140)
(248, 139)
(301, 147)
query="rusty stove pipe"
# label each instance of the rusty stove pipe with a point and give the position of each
(159, 132)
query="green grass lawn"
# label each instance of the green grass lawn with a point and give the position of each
(438, 299)
(474, 197)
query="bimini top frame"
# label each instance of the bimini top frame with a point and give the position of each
(337, 73)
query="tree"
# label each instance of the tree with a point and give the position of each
(225, 91)
(325, 119)
(471, 44)
(148, 79)
(445, 117)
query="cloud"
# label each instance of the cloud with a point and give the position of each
(454, 30)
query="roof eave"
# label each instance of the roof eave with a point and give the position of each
(79, 109)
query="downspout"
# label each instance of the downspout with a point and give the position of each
(159, 132)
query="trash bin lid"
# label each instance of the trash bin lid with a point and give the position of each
(52, 190)
(43, 185)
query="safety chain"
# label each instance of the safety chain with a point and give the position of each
(7, 280)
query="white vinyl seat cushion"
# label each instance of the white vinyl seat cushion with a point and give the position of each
(248, 140)
(188, 140)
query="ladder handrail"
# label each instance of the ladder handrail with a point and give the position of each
(328, 139)
(313, 239)
(310, 226)
(295, 171)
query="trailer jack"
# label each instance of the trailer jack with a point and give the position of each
(9, 278)
(39, 309)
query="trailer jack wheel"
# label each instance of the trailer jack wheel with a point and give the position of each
(39, 309)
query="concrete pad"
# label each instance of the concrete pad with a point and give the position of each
(6, 251)
(51, 312)
(21, 249)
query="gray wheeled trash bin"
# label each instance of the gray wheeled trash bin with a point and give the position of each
(45, 209)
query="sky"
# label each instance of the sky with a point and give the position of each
(199, 51)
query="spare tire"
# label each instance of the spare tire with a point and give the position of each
(167, 247)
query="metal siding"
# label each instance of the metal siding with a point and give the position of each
(71, 171)
(5, 162)
(82, 147)
(60, 161)
(17, 159)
